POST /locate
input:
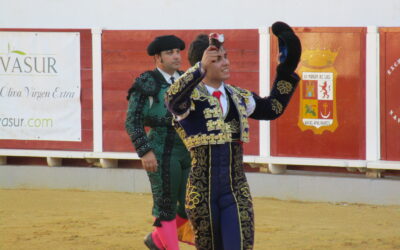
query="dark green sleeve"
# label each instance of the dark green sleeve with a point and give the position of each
(137, 108)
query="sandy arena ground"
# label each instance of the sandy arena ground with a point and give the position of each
(53, 219)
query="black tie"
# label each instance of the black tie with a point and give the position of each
(172, 79)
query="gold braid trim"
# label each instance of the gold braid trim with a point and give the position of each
(284, 87)
(277, 106)
(203, 139)
(181, 83)
(241, 108)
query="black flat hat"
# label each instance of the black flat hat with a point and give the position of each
(162, 43)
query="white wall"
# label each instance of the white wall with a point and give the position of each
(292, 186)
(189, 14)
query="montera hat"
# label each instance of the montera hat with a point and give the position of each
(162, 43)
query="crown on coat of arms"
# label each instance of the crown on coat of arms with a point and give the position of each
(320, 58)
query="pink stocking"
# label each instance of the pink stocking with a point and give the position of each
(168, 234)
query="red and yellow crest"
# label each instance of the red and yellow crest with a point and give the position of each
(318, 91)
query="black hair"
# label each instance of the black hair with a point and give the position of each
(197, 48)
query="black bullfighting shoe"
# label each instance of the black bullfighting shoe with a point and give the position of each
(148, 241)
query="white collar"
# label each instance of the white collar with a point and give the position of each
(221, 88)
(167, 76)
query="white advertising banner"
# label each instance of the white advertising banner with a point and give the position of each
(40, 86)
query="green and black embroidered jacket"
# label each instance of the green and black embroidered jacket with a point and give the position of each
(147, 109)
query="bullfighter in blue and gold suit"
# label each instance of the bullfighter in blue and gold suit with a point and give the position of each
(211, 117)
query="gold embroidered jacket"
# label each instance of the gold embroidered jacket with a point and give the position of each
(198, 117)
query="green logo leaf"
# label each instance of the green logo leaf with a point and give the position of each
(18, 52)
